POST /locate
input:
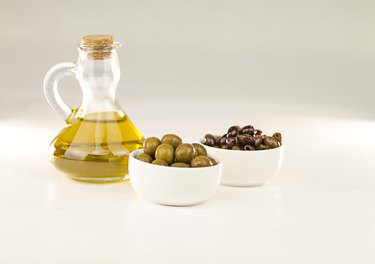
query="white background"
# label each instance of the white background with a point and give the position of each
(304, 68)
(317, 52)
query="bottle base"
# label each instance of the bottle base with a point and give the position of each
(99, 180)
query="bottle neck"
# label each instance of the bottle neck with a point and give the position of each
(98, 72)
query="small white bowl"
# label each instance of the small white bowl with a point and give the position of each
(173, 186)
(248, 168)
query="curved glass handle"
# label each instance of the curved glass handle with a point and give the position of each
(51, 81)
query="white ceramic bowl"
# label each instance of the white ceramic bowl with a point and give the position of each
(173, 186)
(248, 168)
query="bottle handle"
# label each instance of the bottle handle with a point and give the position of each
(51, 80)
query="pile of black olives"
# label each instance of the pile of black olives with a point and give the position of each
(170, 151)
(245, 138)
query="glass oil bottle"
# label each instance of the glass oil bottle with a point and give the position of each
(95, 144)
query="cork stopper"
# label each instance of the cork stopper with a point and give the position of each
(98, 46)
(98, 40)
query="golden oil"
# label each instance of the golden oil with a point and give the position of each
(96, 148)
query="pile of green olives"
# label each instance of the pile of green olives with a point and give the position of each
(171, 151)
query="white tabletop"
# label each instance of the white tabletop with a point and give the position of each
(320, 209)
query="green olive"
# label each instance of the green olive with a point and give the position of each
(180, 164)
(150, 145)
(172, 140)
(160, 162)
(185, 153)
(145, 157)
(213, 161)
(199, 149)
(165, 152)
(201, 161)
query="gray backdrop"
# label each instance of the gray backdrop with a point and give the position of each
(319, 53)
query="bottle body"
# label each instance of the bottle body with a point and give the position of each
(96, 148)
(98, 137)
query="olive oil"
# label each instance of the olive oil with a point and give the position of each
(96, 148)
